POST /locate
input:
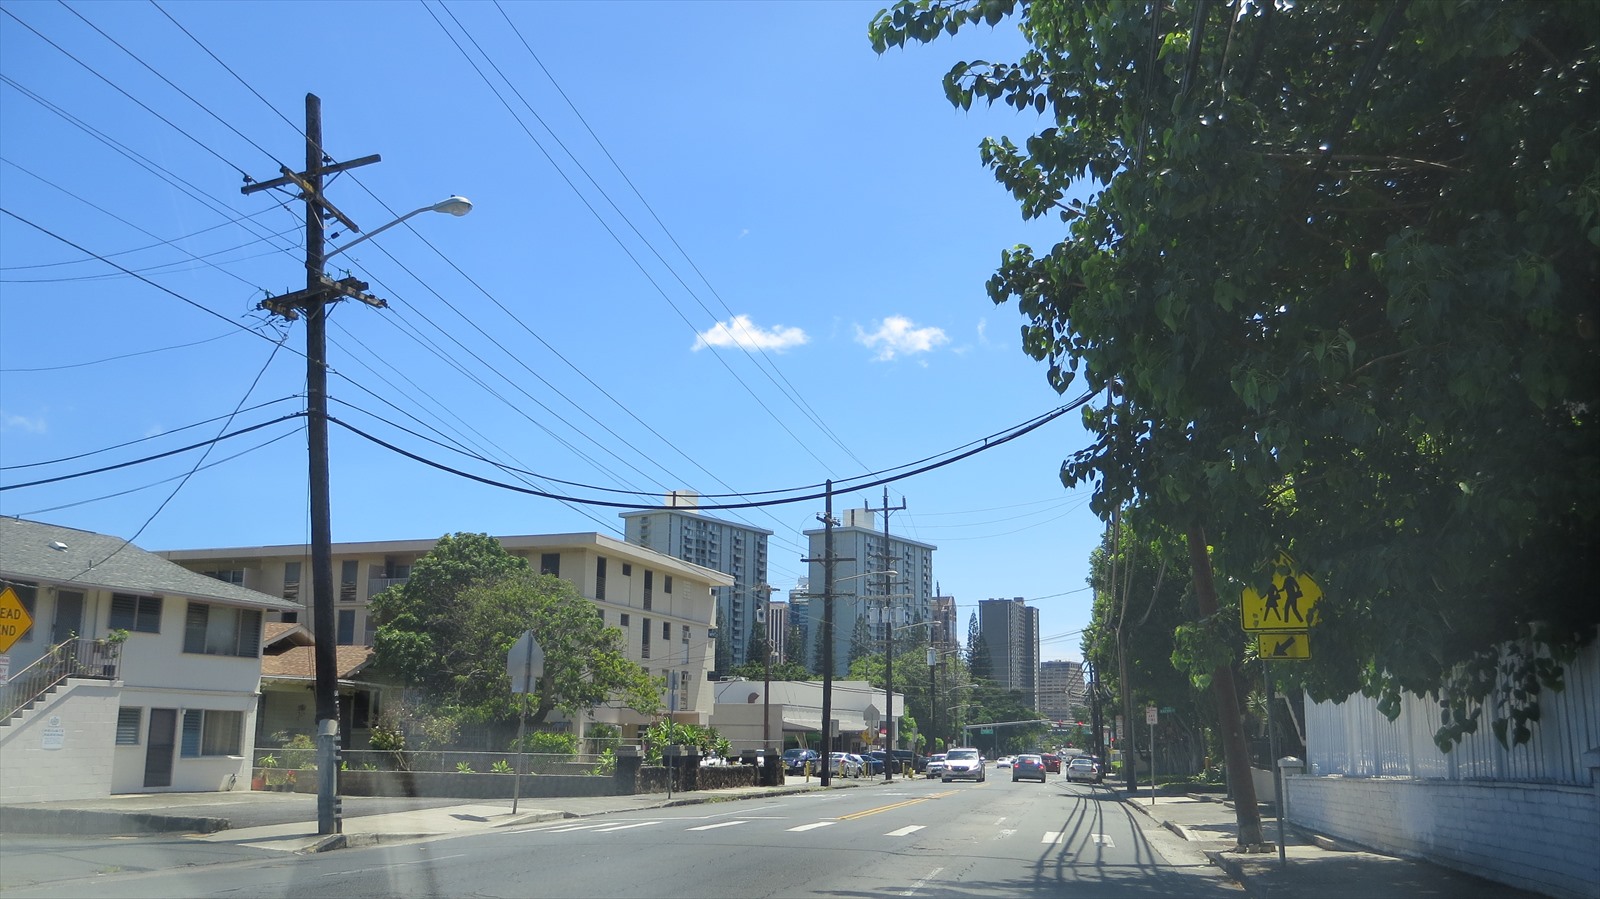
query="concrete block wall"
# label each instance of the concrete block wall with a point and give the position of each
(84, 713)
(1535, 837)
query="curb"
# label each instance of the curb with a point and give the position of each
(87, 821)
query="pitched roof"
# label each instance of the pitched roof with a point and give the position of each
(288, 633)
(300, 662)
(34, 551)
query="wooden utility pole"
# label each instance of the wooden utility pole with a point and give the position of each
(888, 643)
(1235, 750)
(313, 303)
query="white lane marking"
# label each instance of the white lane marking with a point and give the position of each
(718, 824)
(805, 827)
(1103, 840)
(905, 831)
(626, 827)
(568, 828)
(922, 883)
(1051, 836)
(1005, 832)
(1000, 820)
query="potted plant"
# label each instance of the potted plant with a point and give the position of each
(112, 642)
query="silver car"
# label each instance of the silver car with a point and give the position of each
(963, 764)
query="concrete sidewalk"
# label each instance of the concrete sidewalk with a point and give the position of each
(1313, 866)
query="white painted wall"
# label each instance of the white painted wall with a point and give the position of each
(85, 711)
(189, 774)
(1540, 837)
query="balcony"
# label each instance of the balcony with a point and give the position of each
(376, 585)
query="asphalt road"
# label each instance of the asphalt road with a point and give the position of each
(914, 838)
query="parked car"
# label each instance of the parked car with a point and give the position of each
(1083, 769)
(1052, 762)
(908, 762)
(965, 764)
(935, 766)
(1030, 767)
(844, 764)
(794, 760)
(872, 763)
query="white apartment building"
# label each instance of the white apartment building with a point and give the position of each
(171, 708)
(859, 548)
(735, 549)
(1061, 689)
(664, 606)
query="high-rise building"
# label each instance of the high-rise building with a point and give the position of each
(875, 601)
(778, 627)
(1061, 689)
(945, 635)
(1010, 633)
(679, 530)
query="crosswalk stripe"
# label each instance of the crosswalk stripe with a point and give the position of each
(626, 827)
(904, 831)
(1051, 836)
(718, 824)
(568, 828)
(1103, 840)
(805, 827)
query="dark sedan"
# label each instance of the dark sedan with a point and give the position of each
(1027, 767)
(1052, 762)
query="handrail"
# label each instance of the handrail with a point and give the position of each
(69, 658)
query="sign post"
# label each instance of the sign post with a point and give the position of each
(525, 665)
(1150, 718)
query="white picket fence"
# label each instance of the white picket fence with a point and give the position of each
(1353, 739)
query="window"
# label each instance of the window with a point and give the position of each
(222, 631)
(136, 613)
(649, 587)
(666, 583)
(600, 578)
(349, 570)
(666, 631)
(624, 619)
(129, 721)
(550, 563)
(290, 618)
(227, 575)
(291, 580)
(686, 635)
(683, 691)
(211, 732)
(347, 627)
(369, 631)
(644, 643)
(627, 570)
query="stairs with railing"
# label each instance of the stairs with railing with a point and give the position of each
(95, 659)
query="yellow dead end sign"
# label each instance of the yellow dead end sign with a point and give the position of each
(1289, 605)
(1283, 646)
(14, 619)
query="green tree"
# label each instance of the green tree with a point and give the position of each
(585, 662)
(759, 645)
(794, 645)
(754, 670)
(418, 637)
(1333, 267)
(447, 630)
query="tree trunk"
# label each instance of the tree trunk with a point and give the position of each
(1234, 747)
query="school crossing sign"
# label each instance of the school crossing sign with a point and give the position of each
(1290, 604)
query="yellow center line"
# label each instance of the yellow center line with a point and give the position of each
(884, 808)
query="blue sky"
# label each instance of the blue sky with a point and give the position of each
(721, 247)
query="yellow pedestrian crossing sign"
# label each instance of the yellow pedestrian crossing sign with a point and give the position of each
(1289, 605)
(1283, 646)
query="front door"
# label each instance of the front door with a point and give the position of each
(69, 617)
(160, 746)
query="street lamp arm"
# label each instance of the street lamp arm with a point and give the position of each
(457, 206)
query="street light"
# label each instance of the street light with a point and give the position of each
(456, 206)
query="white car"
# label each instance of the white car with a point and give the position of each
(1003, 761)
(935, 766)
(843, 764)
(964, 764)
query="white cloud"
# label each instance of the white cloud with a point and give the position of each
(897, 335)
(12, 422)
(739, 331)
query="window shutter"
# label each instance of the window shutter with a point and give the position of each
(122, 612)
(249, 643)
(192, 719)
(194, 627)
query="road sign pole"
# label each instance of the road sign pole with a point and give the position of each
(1277, 776)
